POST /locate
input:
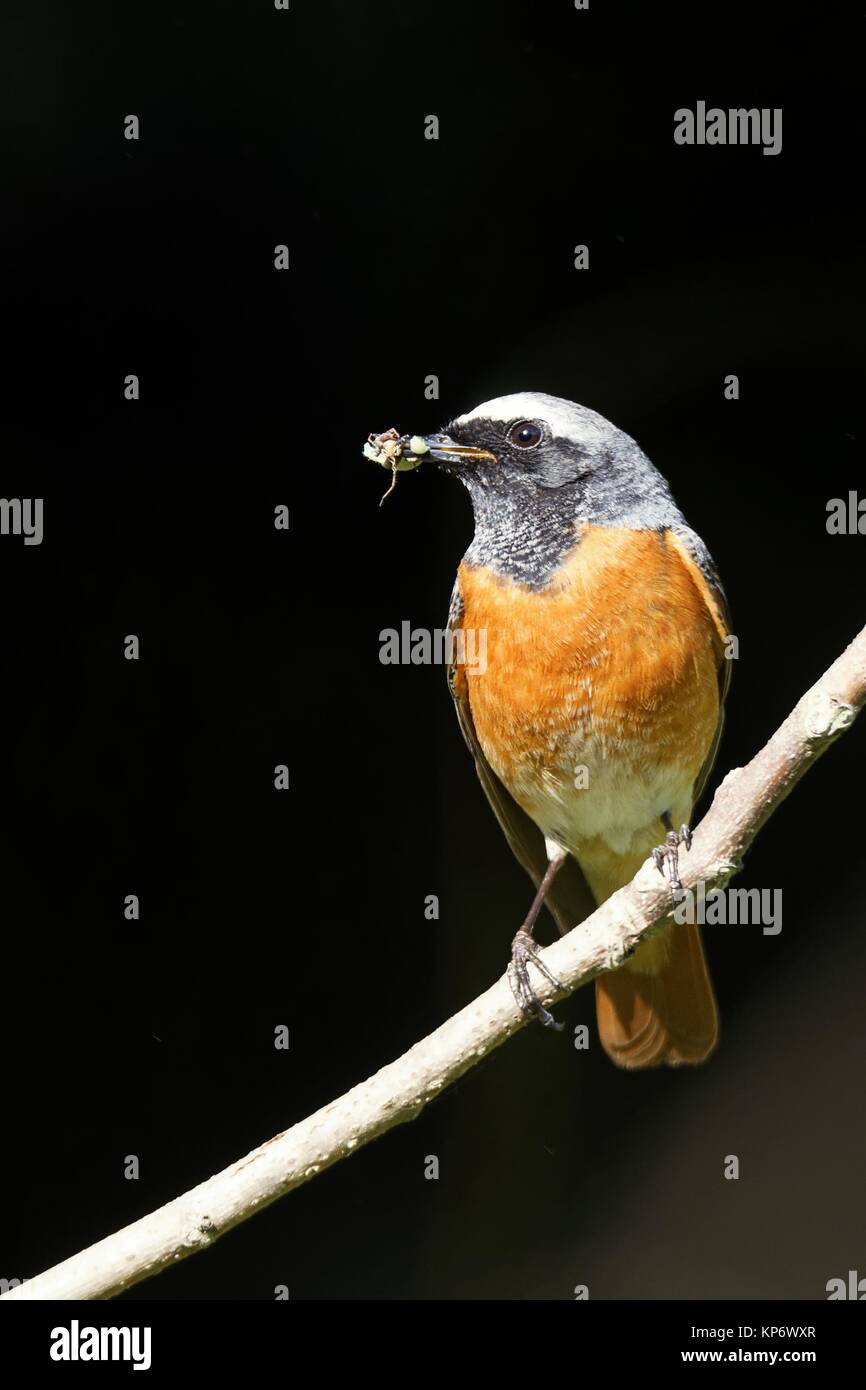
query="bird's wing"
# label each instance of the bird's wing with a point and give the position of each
(699, 562)
(569, 898)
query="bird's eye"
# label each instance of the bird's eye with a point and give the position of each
(525, 434)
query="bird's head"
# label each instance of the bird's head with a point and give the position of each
(537, 467)
(529, 441)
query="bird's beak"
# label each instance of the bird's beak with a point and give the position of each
(442, 449)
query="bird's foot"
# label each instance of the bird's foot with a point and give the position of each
(524, 950)
(667, 856)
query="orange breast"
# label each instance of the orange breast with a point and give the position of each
(620, 650)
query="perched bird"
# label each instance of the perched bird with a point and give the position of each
(595, 719)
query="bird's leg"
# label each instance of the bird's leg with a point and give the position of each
(668, 853)
(524, 950)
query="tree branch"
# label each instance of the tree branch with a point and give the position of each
(742, 805)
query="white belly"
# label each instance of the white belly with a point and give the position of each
(593, 788)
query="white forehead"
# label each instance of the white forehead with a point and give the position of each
(565, 418)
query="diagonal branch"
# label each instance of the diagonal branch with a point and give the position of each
(744, 802)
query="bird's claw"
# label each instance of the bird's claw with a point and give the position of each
(668, 854)
(524, 950)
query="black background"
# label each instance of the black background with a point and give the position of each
(259, 647)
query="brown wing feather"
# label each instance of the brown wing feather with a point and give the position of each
(699, 564)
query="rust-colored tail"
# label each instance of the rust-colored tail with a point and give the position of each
(664, 1013)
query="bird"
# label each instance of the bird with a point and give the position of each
(595, 719)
